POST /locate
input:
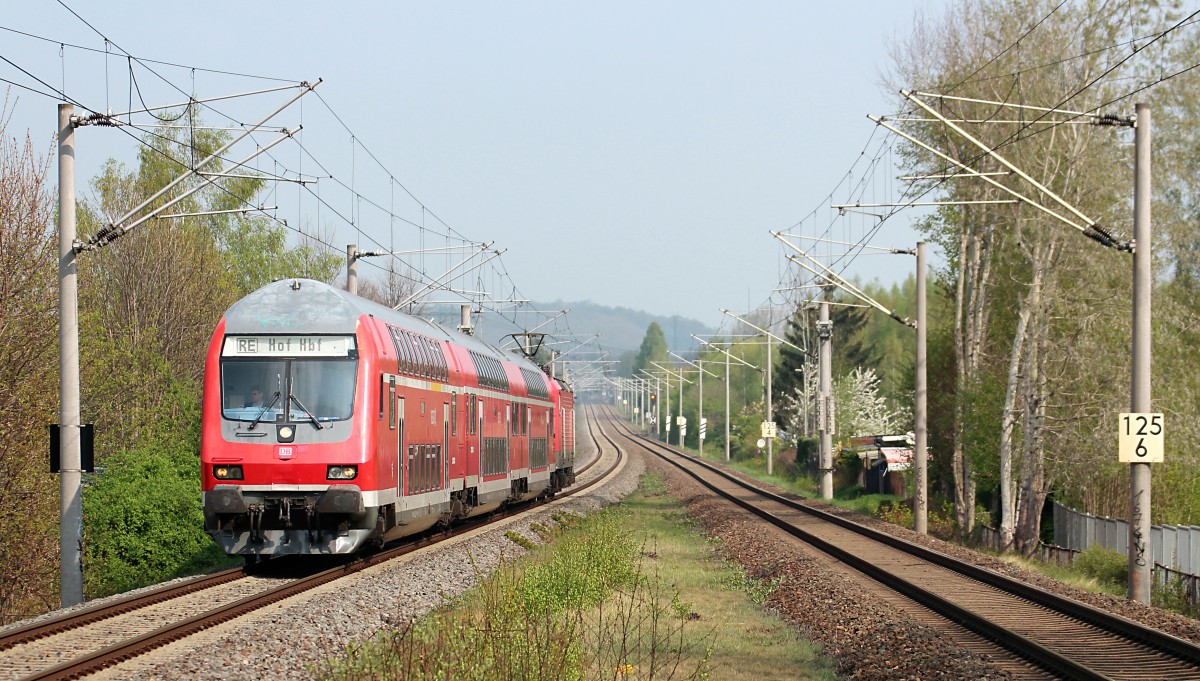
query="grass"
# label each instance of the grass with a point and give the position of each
(747, 644)
(633, 592)
(1068, 575)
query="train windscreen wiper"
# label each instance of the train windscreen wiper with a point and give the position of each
(263, 411)
(307, 413)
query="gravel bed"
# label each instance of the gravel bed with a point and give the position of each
(819, 609)
(1186, 628)
(1172, 623)
(866, 640)
(96, 602)
(287, 640)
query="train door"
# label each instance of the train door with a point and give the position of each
(445, 457)
(395, 410)
(551, 439)
(508, 426)
(481, 440)
(400, 448)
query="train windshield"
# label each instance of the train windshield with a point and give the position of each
(256, 388)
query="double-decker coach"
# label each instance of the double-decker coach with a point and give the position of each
(331, 423)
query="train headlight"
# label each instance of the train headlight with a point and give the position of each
(285, 433)
(227, 472)
(342, 473)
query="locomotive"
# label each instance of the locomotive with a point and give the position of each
(331, 424)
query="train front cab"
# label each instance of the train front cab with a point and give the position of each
(292, 474)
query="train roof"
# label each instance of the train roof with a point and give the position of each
(307, 306)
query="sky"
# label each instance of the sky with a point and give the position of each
(628, 153)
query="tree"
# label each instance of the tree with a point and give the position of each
(860, 408)
(1031, 297)
(653, 349)
(28, 376)
(792, 383)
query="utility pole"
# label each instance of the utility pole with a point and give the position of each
(70, 530)
(658, 408)
(681, 427)
(700, 408)
(667, 436)
(825, 395)
(726, 407)
(920, 407)
(1139, 473)
(352, 269)
(770, 440)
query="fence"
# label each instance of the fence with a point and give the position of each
(989, 537)
(1185, 587)
(1176, 547)
(1077, 531)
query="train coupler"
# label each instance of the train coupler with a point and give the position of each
(255, 515)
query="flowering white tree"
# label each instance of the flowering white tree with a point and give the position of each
(859, 408)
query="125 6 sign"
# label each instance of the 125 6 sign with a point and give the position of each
(1140, 438)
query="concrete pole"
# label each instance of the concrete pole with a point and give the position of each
(1139, 473)
(681, 407)
(637, 401)
(700, 409)
(657, 410)
(825, 395)
(770, 440)
(352, 269)
(726, 406)
(70, 530)
(920, 407)
(646, 404)
(667, 394)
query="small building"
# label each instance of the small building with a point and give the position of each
(886, 460)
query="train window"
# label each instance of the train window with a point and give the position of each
(454, 413)
(295, 389)
(414, 367)
(435, 364)
(405, 353)
(433, 361)
(323, 389)
(508, 416)
(424, 350)
(392, 403)
(443, 368)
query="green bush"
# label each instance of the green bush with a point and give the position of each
(1102, 564)
(143, 522)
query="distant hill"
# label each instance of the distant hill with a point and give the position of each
(621, 329)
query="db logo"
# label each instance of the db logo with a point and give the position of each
(284, 452)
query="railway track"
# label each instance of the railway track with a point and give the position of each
(1063, 638)
(89, 640)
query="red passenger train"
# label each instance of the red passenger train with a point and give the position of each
(331, 423)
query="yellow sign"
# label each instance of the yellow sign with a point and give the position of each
(1140, 438)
